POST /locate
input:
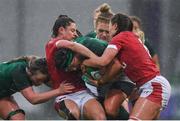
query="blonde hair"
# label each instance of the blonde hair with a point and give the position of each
(137, 19)
(103, 13)
(140, 35)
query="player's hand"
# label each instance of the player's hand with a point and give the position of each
(97, 83)
(65, 87)
(94, 82)
(32, 57)
(87, 62)
(83, 69)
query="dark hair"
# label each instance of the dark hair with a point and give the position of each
(79, 33)
(63, 16)
(63, 57)
(39, 64)
(136, 19)
(61, 21)
(23, 58)
(123, 22)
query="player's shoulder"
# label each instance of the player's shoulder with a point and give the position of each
(91, 34)
(51, 43)
(21, 65)
(120, 36)
(126, 34)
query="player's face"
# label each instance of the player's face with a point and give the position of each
(69, 33)
(38, 78)
(136, 26)
(137, 30)
(102, 30)
(112, 29)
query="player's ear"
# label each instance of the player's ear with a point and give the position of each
(28, 72)
(61, 30)
(115, 26)
(83, 68)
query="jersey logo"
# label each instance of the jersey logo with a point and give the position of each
(96, 75)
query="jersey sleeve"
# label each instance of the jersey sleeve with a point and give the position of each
(50, 47)
(20, 78)
(91, 34)
(115, 43)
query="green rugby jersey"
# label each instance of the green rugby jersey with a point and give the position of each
(97, 46)
(13, 77)
(91, 34)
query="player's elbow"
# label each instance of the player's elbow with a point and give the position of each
(34, 101)
(104, 62)
(64, 44)
(99, 63)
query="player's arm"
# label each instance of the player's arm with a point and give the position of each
(111, 71)
(108, 55)
(76, 47)
(36, 98)
(94, 60)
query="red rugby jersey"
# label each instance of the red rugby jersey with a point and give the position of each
(59, 76)
(136, 60)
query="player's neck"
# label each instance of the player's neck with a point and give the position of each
(60, 37)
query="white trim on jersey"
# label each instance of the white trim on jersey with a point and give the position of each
(60, 40)
(112, 46)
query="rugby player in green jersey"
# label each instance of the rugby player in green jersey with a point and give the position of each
(112, 103)
(19, 75)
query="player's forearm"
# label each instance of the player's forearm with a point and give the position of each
(76, 47)
(43, 97)
(79, 48)
(102, 61)
(112, 70)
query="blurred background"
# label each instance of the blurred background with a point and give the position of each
(25, 27)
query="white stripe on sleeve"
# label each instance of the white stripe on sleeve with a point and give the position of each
(112, 46)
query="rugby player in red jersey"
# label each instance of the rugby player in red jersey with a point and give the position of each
(70, 105)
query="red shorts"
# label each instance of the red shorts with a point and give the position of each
(157, 90)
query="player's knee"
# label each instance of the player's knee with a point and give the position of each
(111, 111)
(65, 113)
(75, 112)
(18, 114)
(100, 116)
(133, 118)
(18, 117)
